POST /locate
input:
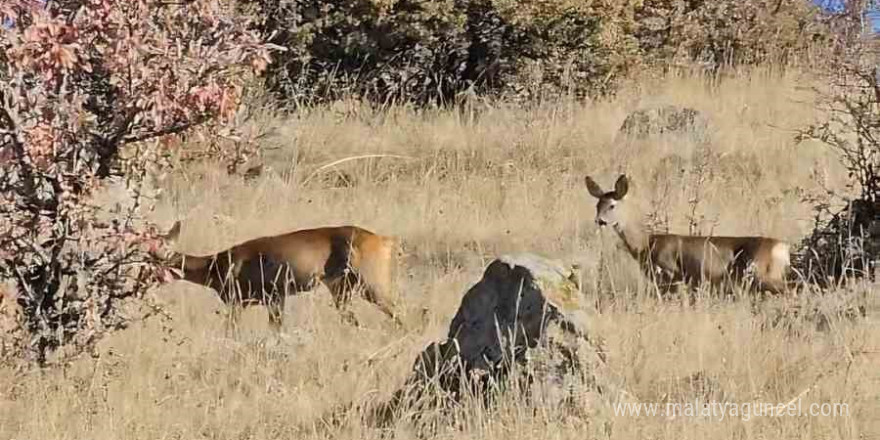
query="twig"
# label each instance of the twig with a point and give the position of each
(164, 132)
(372, 357)
(349, 159)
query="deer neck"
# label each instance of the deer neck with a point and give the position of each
(635, 238)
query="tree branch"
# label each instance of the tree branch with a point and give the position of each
(179, 128)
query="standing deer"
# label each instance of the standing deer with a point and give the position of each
(691, 259)
(265, 270)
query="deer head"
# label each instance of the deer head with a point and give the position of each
(607, 211)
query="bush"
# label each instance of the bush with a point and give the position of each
(846, 242)
(90, 88)
(433, 51)
(724, 33)
(429, 51)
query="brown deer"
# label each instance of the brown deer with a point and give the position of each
(672, 259)
(265, 270)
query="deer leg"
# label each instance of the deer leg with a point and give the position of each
(230, 293)
(375, 275)
(664, 280)
(685, 288)
(265, 280)
(341, 289)
(275, 307)
(382, 300)
(233, 313)
(274, 278)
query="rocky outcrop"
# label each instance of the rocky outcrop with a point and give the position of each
(516, 299)
(523, 324)
(665, 119)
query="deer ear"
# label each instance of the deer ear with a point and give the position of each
(593, 187)
(621, 187)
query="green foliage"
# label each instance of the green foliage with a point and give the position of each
(432, 51)
(429, 51)
(729, 32)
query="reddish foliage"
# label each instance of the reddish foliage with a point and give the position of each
(81, 82)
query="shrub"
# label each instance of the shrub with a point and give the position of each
(430, 51)
(90, 89)
(723, 33)
(846, 242)
(433, 51)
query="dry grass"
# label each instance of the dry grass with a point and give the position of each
(461, 192)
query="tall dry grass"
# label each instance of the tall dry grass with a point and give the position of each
(459, 189)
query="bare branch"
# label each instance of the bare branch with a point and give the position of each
(177, 129)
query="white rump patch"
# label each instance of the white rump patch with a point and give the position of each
(781, 254)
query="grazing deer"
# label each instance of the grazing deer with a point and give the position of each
(266, 269)
(691, 259)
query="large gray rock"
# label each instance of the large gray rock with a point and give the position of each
(510, 307)
(526, 314)
(665, 119)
